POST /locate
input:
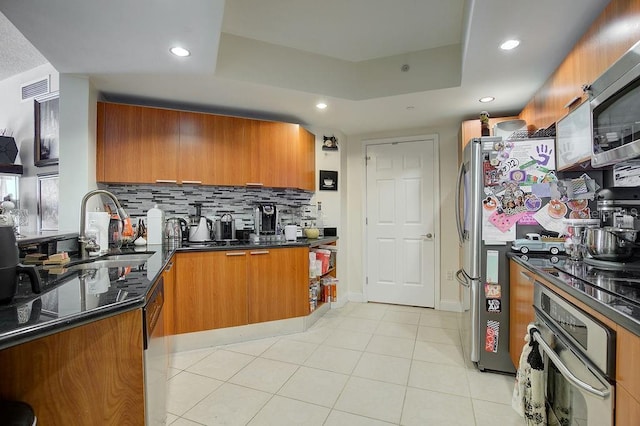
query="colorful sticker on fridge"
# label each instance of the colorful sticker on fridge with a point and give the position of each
(528, 219)
(491, 337)
(492, 291)
(494, 306)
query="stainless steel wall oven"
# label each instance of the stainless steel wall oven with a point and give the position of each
(579, 361)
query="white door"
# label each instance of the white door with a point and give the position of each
(402, 181)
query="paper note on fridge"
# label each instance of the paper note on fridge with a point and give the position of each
(492, 235)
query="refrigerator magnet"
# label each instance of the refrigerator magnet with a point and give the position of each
(494, 306)
(492, 291)
(491, 336)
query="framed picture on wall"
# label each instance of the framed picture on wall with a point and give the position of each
(46, 148)
(328, 180)
(47, 194)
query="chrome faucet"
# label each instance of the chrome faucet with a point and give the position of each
(82, 239)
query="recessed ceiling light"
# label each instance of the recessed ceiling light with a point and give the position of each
(179, 51)
(510, 44)
(321, 105)
(487, 99)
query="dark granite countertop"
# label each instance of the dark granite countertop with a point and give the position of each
(614, 294)
(70, 298)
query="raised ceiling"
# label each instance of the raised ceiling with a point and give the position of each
(277, 58)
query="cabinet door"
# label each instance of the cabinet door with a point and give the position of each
(627, 408)
(213, 150)
(278, 284)
(211, 291)
(520, 308)
(274, 153)
(136, 144)
(307, 158)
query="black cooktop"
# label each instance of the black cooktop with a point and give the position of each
(616, 287)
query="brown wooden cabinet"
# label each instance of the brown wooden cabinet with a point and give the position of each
(520, 308)
(91, 374)
(210, 291)
(136, 144)
(627, 408)
(212, 150)
(590, 57)
(278, 284)
(218, 289)
(151, 145)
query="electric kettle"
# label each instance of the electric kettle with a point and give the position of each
(9, 265)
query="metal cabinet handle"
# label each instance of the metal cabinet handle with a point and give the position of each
(254, 184)
(168, 267)
(260, 252)
(602, 393)
(236, 253)
(462, 279)
(166, 181)
(196, 182)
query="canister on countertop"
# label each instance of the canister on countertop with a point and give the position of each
(155, 225)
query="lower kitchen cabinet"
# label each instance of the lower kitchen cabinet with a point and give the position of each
(627, 408)
(88, 375)
(278, 284)
(520, 308)
(210, 290)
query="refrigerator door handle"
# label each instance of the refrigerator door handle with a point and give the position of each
(457, 203)
(462, 278)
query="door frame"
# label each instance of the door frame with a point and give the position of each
(436, 213)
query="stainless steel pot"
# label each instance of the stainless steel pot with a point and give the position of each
(610, 243)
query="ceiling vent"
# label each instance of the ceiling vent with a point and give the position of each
(34, 88)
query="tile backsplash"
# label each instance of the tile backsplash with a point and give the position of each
(177, 200)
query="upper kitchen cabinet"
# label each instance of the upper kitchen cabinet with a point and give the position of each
(282, 155)
(212, 150)
(596, 51)
(150, 145)
(136, 144)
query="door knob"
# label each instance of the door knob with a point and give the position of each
(428, 235)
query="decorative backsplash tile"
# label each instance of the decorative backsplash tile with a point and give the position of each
(177, 200)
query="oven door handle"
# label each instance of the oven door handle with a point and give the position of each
(602, 393)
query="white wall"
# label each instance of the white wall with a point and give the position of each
(353, 243)
(333, 201)
(17, 116)
(77, 148)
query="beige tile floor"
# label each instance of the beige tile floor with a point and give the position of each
(362, 364)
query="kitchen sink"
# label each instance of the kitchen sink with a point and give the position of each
(112, 261)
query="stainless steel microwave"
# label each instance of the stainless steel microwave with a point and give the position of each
(615, 106)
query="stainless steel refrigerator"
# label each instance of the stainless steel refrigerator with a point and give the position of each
(484, 274)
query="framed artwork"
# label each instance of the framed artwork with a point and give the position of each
(47, 194)
(46, 139)
(328, 180)
(329, 143)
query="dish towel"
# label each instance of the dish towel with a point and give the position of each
(528, 391)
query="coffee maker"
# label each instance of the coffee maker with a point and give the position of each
(266, 219)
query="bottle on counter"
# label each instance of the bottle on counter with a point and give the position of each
(320, 220)
(155, 225)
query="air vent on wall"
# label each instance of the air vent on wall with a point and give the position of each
(35, 88)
